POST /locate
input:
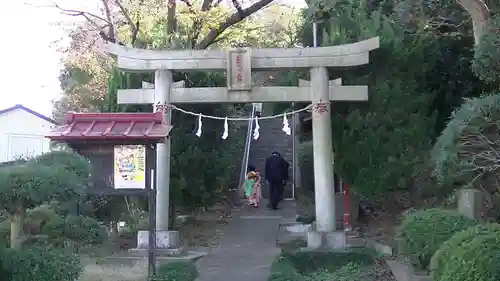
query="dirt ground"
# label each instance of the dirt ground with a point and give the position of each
(198, 230)
(100, 272)
(203, 229)
(380, 225)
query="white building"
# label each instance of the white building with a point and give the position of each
(22, 132)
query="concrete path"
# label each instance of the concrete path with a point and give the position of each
(248, 245)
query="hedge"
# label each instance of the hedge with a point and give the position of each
(176, 271)
(283, 269)
(305, 266)
(470, 255)
(39, 264)
(306, 166)
(423, 232)
(78, 229)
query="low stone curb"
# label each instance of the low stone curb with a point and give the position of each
(401, 270)
(379, 247)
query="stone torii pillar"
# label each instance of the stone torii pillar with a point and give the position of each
(323, 151)
(162, 84)
(162, 87)
(324, 192)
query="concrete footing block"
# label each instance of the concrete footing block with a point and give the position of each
(164, 239)
(326, 240)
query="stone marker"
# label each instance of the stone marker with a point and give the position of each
(470, 203)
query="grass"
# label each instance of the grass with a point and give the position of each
(174, 270)
(108, 272)
(358, 265)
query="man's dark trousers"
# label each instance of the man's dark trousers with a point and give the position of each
(275, 193)
(281, 191)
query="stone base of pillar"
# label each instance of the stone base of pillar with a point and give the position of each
(180, 252)
(167, 243)
(317, 240)
(164, 239)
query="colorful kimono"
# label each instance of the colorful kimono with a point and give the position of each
(252, 188)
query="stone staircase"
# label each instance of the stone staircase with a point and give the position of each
(272, 138)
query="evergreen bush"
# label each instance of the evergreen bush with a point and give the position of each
(469, 255)
(40, 264)
(4, 233)
(176, 271)
(77, 229)
(318, 266)
(306, 166)
(451, 156)
(423, 232)
(283, 269)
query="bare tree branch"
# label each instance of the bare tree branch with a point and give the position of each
(110, 23)
(197, 24)
(230, 21)
(216, 3)
(237, 6)
(189, 4)
(76, 13)
(171, 17)
(111, 36)
(134, 28)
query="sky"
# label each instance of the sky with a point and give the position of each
(29, 57)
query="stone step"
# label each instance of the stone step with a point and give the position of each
(272, 138)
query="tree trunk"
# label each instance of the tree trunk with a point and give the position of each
(16, 228)
(480, 14)
(171, 19)
(114, 231)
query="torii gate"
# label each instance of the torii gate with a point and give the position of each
(239, 64)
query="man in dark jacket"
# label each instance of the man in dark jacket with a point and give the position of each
(276, 174)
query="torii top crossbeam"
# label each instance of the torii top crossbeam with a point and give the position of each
(131, 59)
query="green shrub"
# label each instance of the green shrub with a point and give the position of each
(423, 232)
(283, 269)
(349, 272)
(40, 264)
(77, 229)
(306, 166)
(36, 217)
(318, 266)
(176, 271)
(85, 230)
(452, 158)
(465, 256)
(4, 233)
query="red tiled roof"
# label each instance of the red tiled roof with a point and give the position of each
(112, 126)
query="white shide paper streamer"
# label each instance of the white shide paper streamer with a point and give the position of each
(198, 132)
(286, 126)
(226, 130)
(256, 133)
